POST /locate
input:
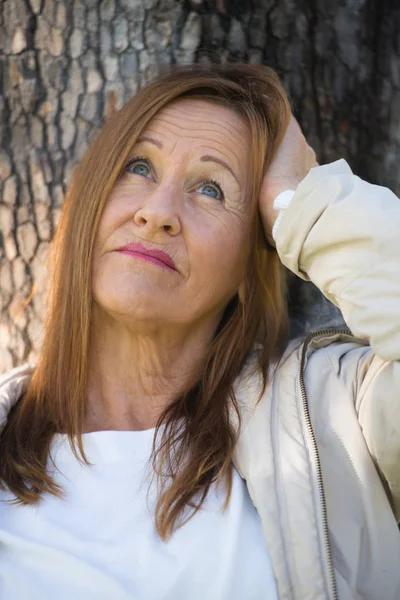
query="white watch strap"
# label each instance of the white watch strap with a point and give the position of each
(281, 202)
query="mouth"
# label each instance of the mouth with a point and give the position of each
(156, 257)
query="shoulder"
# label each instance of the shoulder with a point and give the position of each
(12, 385)
(327, 359)
(352, 363)
(326, 354)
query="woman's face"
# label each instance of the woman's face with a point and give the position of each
(183, 197)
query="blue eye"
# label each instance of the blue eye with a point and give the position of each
(141, 166)
(138, 166)
(213, 187)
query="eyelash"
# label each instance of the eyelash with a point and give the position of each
(138, 158)
(147, 163)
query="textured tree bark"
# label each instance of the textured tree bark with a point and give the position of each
(65, 64)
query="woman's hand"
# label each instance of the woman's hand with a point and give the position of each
(291, 164)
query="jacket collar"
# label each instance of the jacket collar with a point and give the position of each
(12, 386)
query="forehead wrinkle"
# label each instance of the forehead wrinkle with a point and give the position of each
(212, 124)
(223, 125)
(205, 134)
(180, 131)
(174, 109)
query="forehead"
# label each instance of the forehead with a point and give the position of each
(202, 120)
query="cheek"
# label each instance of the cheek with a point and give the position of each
(219, 255)
(104, 240)
(111, 216)
(115, 214)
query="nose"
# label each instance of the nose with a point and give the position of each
(160, 212)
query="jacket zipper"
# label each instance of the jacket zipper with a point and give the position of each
(327, 546)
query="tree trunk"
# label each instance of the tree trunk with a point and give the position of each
(65, 64)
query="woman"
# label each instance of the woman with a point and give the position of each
(167, 402)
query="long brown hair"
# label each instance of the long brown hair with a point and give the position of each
(199, 452)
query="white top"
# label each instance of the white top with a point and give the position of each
(100, 543)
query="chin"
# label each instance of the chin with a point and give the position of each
(130, 298)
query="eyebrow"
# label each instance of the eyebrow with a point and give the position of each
(151, 140)
(205, 158)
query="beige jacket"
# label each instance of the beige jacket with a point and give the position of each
(321, 451)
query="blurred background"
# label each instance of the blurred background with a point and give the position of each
(67, 64)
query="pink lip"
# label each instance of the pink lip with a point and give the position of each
(157, 257)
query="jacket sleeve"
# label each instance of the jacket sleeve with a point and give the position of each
(343, 234)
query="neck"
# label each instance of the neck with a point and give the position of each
(136, 371)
